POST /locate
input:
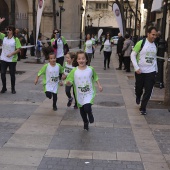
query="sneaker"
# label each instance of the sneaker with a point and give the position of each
(3, 90)
(75, 106)
(13, 91)
(69, 102)
(142, 112)
(55, 108)
(137, 100)
(86, 126)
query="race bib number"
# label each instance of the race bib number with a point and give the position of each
(149, 60)
(54, 79)
(89, 47)
(68, 70)
(84, 90)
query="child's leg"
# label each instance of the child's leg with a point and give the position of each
(88, 110)
(48, 94)
(54, 100)
(75, 106)
(84, 117)
(67, 90)
(68, 93)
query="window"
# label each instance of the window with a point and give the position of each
(101, 6)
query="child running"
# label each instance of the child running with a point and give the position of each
(50, 74)
(67, 69)
(83, 77)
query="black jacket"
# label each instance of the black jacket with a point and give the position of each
(120, 44)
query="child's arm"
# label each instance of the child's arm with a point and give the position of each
(64, 76)
(68, 83)
(36, 80)
(99, 86)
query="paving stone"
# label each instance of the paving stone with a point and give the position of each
(85, 164)
(16, 111)
(74, 138)
(26, 157)
(15, 167)
(159, 117)
(29, 141)
(162, 137)
(9, 127)
(4, 137)
(155, 166)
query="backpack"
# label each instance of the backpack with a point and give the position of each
(143, 43)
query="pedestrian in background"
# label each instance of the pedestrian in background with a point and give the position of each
(82, 77)
(127, 49)
(10, 48)
(39, 47)
(107, 46)
(89, 46)
(50, 72)
(144, 61)
(32, 43)
(119, 50)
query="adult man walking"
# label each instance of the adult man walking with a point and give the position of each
(119, 50)
(144, 61)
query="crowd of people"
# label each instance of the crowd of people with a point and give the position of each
(76, 71)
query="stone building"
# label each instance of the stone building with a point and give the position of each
(20, 12)
(101, 16)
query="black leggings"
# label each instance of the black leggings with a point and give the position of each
(60, 61)
(86, 110)
(12, 70)
(50, 95)
(68, 93)
(107, 58)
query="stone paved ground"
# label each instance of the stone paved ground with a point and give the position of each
(34, 137)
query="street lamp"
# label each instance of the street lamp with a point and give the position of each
(88, 18)
(81, 11)
(61, 3)
(161, 49)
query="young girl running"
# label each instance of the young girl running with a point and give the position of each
(83, 77)
(50, 74)
(67, 69)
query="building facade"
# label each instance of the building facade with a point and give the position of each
(22, 12)
(101, 16)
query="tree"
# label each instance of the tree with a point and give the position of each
(167, 76)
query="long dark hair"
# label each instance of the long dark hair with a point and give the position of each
(106, 37)
(13, 29)
(75, 63)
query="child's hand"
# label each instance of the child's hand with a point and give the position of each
(100, 88)
(61, 83)
(36, 81)
(68, 83)
(64, 77)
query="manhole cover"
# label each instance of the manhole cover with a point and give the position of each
(109, 104)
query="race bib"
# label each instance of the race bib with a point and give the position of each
(149, 60)
(84, 90)
(54, 79)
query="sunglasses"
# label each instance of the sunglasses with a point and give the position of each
(9, 29)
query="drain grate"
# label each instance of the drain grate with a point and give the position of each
(110, 104)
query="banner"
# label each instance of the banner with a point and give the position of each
(99, 33)
(118, 17)
(39, 14)
(156, 5)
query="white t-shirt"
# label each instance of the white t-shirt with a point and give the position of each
(107, 46)
(83, 81)
(67, 68)
(60, 48)
(147, 57)
(50, 77)
(88, 46)
(8, 47)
